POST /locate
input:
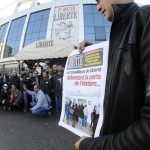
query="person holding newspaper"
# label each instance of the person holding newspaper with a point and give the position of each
(126, 122)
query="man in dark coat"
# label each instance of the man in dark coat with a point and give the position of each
(46, 86)
(126, 122)
(15, 80)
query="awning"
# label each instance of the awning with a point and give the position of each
(45, 49)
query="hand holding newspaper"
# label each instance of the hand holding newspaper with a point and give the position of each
(83, 90)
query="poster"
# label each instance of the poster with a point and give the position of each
(65, 23)
(83, 90)
(39, 70)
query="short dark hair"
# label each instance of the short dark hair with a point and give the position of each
(37, 85)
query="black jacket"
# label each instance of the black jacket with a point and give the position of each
(59, 87)
(46, 85)
(126, 124)
(15, 80)
(5, 95)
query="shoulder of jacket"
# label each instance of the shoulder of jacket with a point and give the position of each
(145, 7)
(145, 12)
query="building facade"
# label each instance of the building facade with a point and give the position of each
(73, 21)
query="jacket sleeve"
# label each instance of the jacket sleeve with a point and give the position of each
(30, 92)
(41, 98)
(137, 135)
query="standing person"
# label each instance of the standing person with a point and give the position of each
(94, 118)
(24, 79)
(126, 122)
(75, 115)
(93, 113)
(85, 112)
(80, 116)
(58, 94)
(46, 86)
(54, 80)
(60, 71)
(34, 80)
(58, 84)
(14, 80)
(55, 74)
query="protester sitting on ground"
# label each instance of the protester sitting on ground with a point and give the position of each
(40, 105)
(5, 97)
(15, 98)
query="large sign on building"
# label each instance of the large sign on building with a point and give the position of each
(65, 23)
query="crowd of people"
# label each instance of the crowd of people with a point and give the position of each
(41, 94)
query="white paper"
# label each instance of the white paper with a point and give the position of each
(83, 89)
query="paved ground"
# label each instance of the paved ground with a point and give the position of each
(22, 131)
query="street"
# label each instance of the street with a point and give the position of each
(23, 131)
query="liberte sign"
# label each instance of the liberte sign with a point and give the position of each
(43, 44)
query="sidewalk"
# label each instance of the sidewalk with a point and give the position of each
(22, 131)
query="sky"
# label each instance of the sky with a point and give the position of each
(7, 6)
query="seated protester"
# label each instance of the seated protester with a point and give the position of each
(15, 98)
(5, 97)
(40, 105)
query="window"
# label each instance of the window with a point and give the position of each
(87, 9)
(14, 37)
(100, 34)
(90, 37)
(98, 20)
(89, 29)
(96, 27)
(37, 27)
(3, 29)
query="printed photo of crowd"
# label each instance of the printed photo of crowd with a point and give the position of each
(80, 114)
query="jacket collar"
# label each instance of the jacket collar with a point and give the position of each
(122, 11)
(39, 92)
